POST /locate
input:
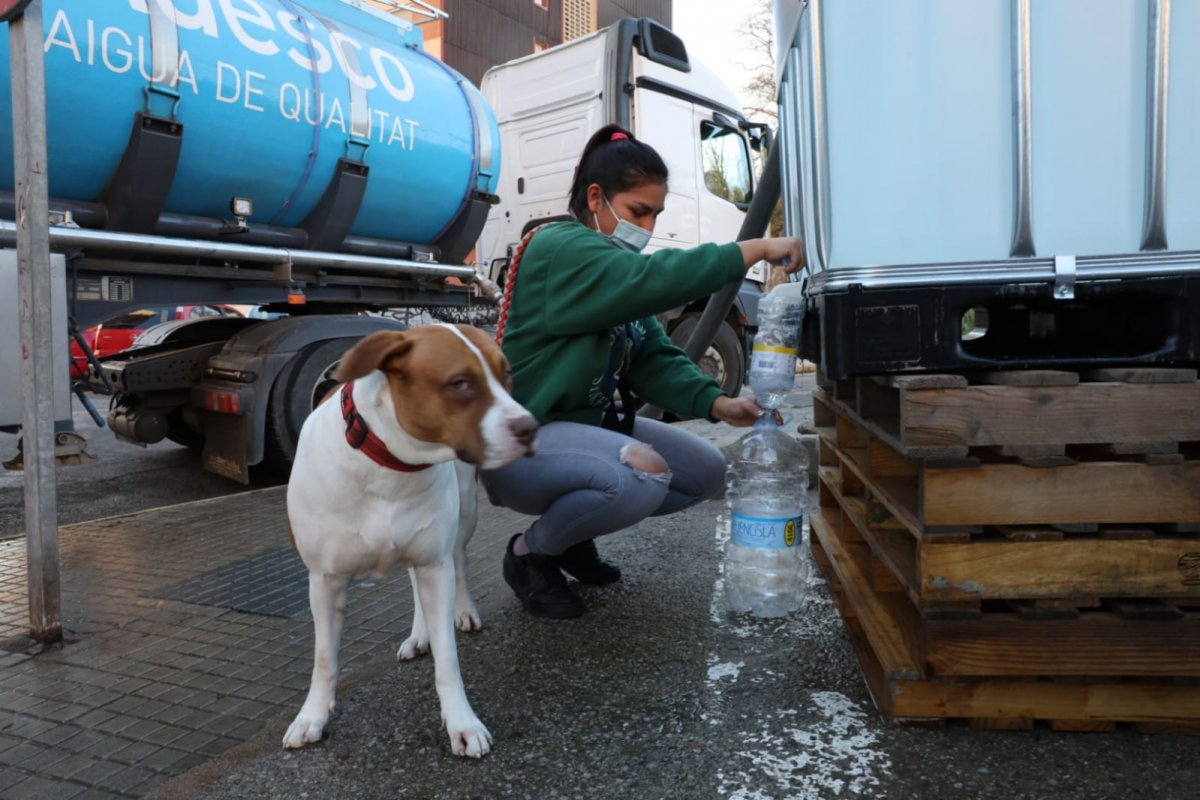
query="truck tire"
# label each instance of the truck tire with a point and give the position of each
(298, 389)
(724, 360)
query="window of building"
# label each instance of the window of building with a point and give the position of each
(726, 162)
(542, 4)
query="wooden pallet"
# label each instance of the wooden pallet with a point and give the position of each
(905, 688)
(998, 566)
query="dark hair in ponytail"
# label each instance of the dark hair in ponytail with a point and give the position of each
(617, 162)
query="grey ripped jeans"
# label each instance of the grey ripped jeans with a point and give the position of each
(581, 486)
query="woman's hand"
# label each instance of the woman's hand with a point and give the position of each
(786, 251)
(740, 412)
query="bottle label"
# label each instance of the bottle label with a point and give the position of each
(766, 531)
(772, 359)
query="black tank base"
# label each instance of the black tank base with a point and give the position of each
(879, 331)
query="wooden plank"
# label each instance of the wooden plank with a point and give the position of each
(887, 462)
(848, 434)
(895, 549)
(879, 516)
(1028, 377)
(998, 494)
(846, 412)
(826, 457)
(823, 416)
(1141, 375)
(1090, 413)
(931, 381)
(899, 496)
(880, 406)
(882, 622)
(1096, 644)
(1068, 568)
(1156, 702)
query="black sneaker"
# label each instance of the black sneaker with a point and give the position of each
(539, 585)
(583, 562)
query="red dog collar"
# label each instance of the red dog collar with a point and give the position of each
(359, 436)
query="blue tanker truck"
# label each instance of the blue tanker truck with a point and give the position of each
(306, 158)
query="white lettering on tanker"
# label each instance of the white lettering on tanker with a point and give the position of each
(114, 57)
(106, 50)
(363, 66)
(324, 60)
(203, 20)
(239, 14)
(235, 17)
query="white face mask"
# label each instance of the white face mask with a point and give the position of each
(626, 235)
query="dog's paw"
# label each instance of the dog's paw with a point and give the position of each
(412, 647)
(466, 618)
(470, 739)
(305, 729)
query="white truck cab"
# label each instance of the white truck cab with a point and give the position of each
(637, 74)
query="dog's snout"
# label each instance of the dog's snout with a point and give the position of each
(523, 429)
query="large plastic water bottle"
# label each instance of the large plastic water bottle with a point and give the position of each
(766, 561)
(773, 358)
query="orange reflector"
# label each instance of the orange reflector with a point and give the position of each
(296, 299)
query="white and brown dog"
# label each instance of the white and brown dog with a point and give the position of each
(378, 481)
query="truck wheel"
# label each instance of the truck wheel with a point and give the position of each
(724, 360)
(300, 386)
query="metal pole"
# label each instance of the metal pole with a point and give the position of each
(37, 330)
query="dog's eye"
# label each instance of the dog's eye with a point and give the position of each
(460, 385)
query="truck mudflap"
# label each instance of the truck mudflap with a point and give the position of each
(225, 446)
(1004, 325)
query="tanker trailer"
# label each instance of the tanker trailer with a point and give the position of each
(302, 156)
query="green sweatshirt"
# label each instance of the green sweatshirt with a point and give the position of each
(574, 293)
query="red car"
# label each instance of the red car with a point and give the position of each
(119, 333)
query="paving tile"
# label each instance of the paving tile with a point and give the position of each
(94, 743)
(164, 759)
(134, 752)
(94, 717)
(126, 780)
(10, 776)
(37, 787)
(97, 794)
(58, 734)
(97, 771)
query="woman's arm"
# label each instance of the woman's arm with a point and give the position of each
(788, 251)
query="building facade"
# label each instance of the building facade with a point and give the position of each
(478, 34)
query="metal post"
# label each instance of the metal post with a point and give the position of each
(37, 330)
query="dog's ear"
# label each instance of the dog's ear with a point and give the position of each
(372, 353)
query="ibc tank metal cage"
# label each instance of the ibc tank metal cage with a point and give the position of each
(985, 185)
